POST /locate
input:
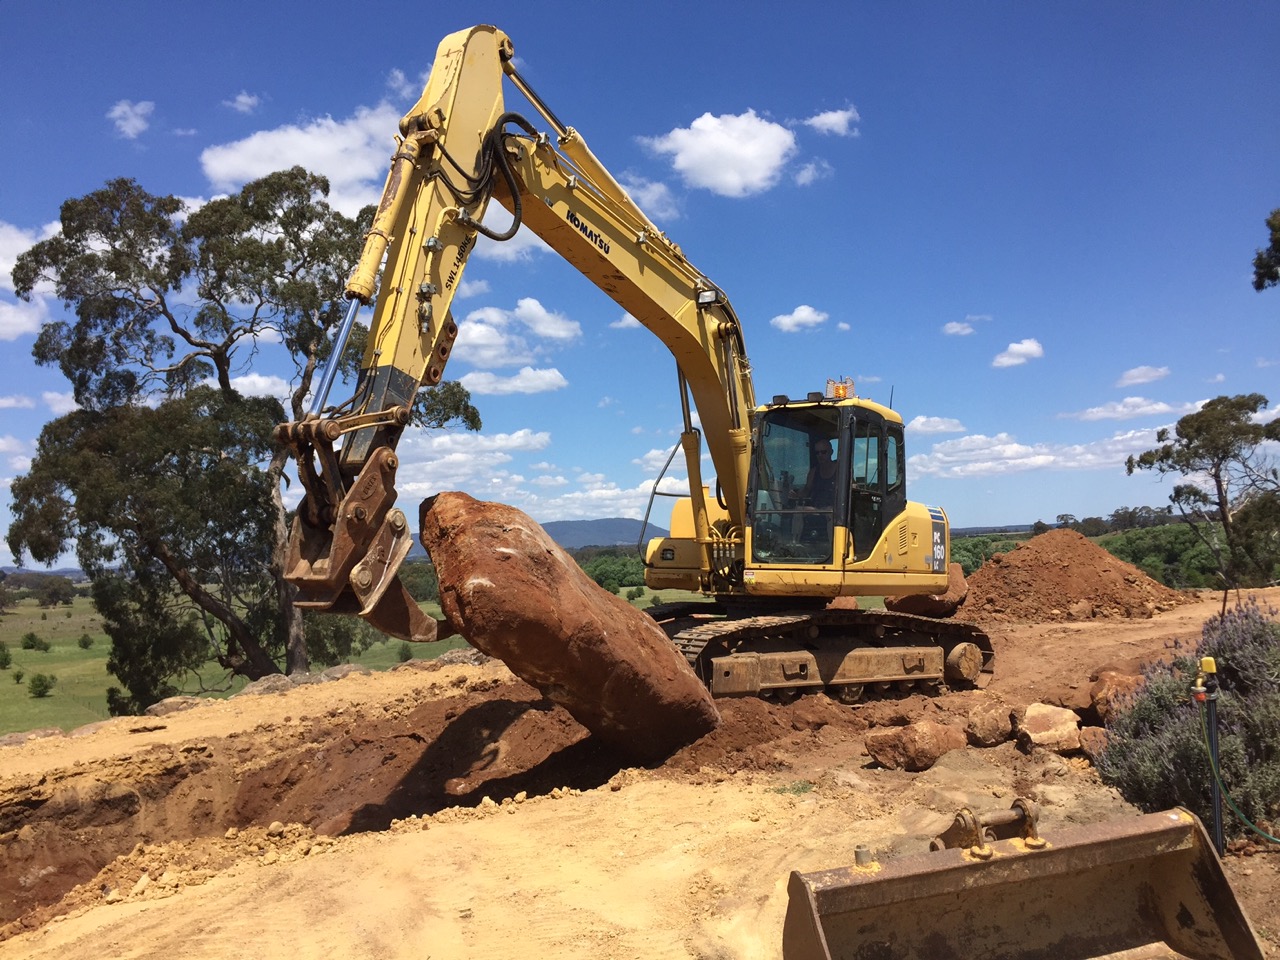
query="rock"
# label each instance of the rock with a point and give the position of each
(934, 605)
(1110, 690)
(1052, 728)
(172, 705)
(272, 683)
(990, 724)
(1081, 610)
(914, 747)
(344, 670)
(512, 592)
(1093, 740)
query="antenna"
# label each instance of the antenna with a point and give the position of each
(890, 397)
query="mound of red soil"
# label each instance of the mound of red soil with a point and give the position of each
(1061, 575)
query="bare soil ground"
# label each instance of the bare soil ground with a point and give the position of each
(450, 811)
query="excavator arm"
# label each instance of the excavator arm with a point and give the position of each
(458, 149)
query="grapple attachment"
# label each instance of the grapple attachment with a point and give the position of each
(1147, 886)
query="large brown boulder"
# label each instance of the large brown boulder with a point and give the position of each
(915, 747)
(936, 605)
(510, 590)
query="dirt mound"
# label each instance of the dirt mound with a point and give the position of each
(1061, 575)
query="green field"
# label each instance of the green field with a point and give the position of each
(80, 695)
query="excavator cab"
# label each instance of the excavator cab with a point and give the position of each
(828, 478)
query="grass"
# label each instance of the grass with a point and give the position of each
(80, 695)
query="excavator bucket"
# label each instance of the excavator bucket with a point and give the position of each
(1149, 886)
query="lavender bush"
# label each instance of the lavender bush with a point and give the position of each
(1156, 754)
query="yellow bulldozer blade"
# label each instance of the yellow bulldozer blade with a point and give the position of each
(1147, 886)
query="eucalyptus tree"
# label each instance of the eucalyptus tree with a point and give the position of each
(165, 479)
(1231, 493)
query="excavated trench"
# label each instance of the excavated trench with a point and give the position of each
(334, 774)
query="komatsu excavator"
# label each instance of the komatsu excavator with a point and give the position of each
(810, 505)
(810, 500)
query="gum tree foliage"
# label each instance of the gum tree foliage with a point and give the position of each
(1231, 494)
(1156, 754)
(166, 480)
(1266, 264)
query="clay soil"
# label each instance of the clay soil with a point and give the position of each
(450, 811)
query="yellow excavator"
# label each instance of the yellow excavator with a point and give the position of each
(810, 495)
(810, 505)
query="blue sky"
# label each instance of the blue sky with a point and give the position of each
(1030, 226)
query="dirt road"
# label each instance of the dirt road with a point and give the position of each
(450, 811)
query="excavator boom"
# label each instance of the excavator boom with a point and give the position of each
(458, 149)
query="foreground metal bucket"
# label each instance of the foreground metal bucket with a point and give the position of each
(1147, 886)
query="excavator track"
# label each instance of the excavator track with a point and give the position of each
(845, 651)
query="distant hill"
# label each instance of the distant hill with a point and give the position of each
(574, 534)
(613, 531)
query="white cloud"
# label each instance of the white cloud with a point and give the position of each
(472, 288)
(651, 196)
(842, 326)
(353, 154)
(484, 343)
(486, 337)
(812, 172)
(733, 156)
(20, 318)
(261, 385)
(542, 322)
(528, 380)
(1139, 375)
(131, 119)
(979, 456)
(1019, 353)
(626, 322)
(243, 102)
(15, 241)
(653, 461)
(401, 87)
(1131, 407)
(17, 403)
(837, 122)
(957, 329)
(439, 460)
(802, 317)
(1217, 378)
(59, 403)
(924, 424)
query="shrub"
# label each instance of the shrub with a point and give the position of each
(404, 653)
(41, 685)
(85, 641)
(635, 593)
(6, 658)
(18, 675)
(1156, 753)
(31, 641)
